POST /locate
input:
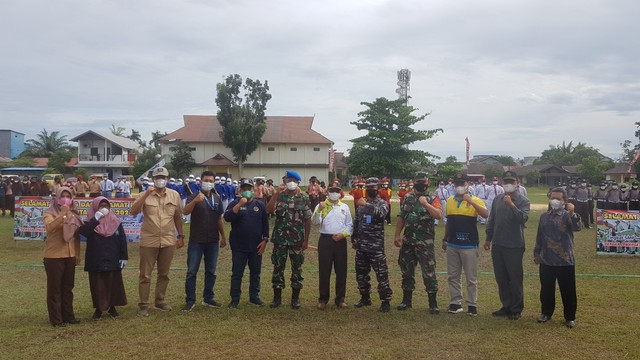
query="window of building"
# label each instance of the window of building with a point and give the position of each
(271, 148)
(316, 149)
(294, 149)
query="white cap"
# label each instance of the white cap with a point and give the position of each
(180, 181)
(198, 178)
(223, 178)
(235, 182)
(191, 176)
(217, 178)
(145, 178)
(172, 179)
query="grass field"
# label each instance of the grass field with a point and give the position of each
(608, 317)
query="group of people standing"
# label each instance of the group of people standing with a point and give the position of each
(162, 233)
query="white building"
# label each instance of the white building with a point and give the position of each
(106, 153)
(289, 143)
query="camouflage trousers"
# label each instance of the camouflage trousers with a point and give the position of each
(279, 261)
(423, 253)
(378, 261)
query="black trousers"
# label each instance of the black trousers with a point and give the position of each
(507, 266)
(332, 254)
(566, 277)
(582, 208)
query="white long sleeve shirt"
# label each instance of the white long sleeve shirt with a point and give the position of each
(333, 219)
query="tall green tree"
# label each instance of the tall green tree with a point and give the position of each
(384, 150)
(449, 167)
(567, 154)
(135, 136)
(506, 160)
(46, 144)
(58, 159)
(145, 160)
(181, 158)
(117, 131)
(242, 117)
(592, 168)
(629, 149)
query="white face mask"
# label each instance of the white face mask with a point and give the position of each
(207, 186)
(461, 190)
(292, 185)
(334, 196)
(159, 183)
(217, 182)
(104, 211)
(555, 204)
(509, 188)
(495, 183)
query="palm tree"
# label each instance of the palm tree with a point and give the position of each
(117, 131)
(46, 144)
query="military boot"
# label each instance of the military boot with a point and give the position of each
(277, 298)
(433, 304)
(406, 300)
(385, 307)
(295, 299)
(365, 300)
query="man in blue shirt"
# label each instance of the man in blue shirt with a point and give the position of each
(248, 238)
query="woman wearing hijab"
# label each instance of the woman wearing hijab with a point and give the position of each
(105, 257)
(61, 255)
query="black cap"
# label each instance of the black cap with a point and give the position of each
(246, 182)
(510, 175)
(459, 177)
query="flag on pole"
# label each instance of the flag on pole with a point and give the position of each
(157, 165)
(332, 155)
(633, 161)
(467, 141)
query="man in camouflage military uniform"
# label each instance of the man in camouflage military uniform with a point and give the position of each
(368, 240)
(417, 215)
(290, 236)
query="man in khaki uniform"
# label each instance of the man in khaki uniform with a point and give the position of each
(161, 234)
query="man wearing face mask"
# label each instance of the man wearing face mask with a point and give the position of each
(601, 196)
(206, 237)
(442, 194)
(624, 198)
(334, 218)
(162, 210)
(634, 197)
(290, 236)
(416, 217)
(368, 240)
(613, 197)
(248, 238)
(385, 194)
(581, 195)
(554, 253)
(505, 239)
(494, 190)
(460, 242)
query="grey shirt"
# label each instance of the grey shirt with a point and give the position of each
(505, 226)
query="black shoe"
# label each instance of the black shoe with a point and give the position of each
(113, 312)
(212, 303)
(365, 300)
(454, 309)
(502, 312)
(295, 299)
(570, 324)
(515, 316)
(256, 302)
(96, 315)
(472, 311)
(385, 307)
(433, 304)
(73, 321)
(188, 307)
(543, 318)
(406, 301)
(233, 305)
(277, 298)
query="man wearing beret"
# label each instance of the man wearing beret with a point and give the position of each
(505, 238)
(290, 236)
(417, 215)
(368, 240)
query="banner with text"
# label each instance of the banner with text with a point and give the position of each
(29, 216)
(618, 232)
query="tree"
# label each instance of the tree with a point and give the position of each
(117, 131)
(493, 171)
(135, 136)
(384, 151)
(533, 177)
(449, 168)
(506, 160)
(567, 154)
(58, 159)
(146, 160)
(46, 144)
(242, 121)
(23, 161)
(154, 138)
(592, 168)
(181, 159)
(629, 150)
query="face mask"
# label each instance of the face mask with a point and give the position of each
(509, 188)
(104, 211)
(602, 187)
(207, 186)
(634, 187)
(292, 185)
(495, 183)
(65, 202)
(555, 204)
(583, 184)
(420, 187)
(615, 187)
(159, 183)
(372, 193)
(573, 186)
(247, 194)
(217, 182)
(334, 196)
(461, 190)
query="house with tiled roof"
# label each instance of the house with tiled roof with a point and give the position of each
(289, 143)
(621, 173)
(105, 153)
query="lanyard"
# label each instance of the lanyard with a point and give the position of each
(212, 202)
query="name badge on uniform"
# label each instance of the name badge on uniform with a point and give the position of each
(367, 219)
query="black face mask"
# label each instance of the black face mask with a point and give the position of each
(372, 193)
(420, 187)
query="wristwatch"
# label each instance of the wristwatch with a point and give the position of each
(180, 236)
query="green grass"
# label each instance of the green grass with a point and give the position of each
(607, 315)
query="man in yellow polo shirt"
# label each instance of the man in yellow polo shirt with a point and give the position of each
(160, 235)
(461, 244)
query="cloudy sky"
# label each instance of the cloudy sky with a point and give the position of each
(513, 76)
